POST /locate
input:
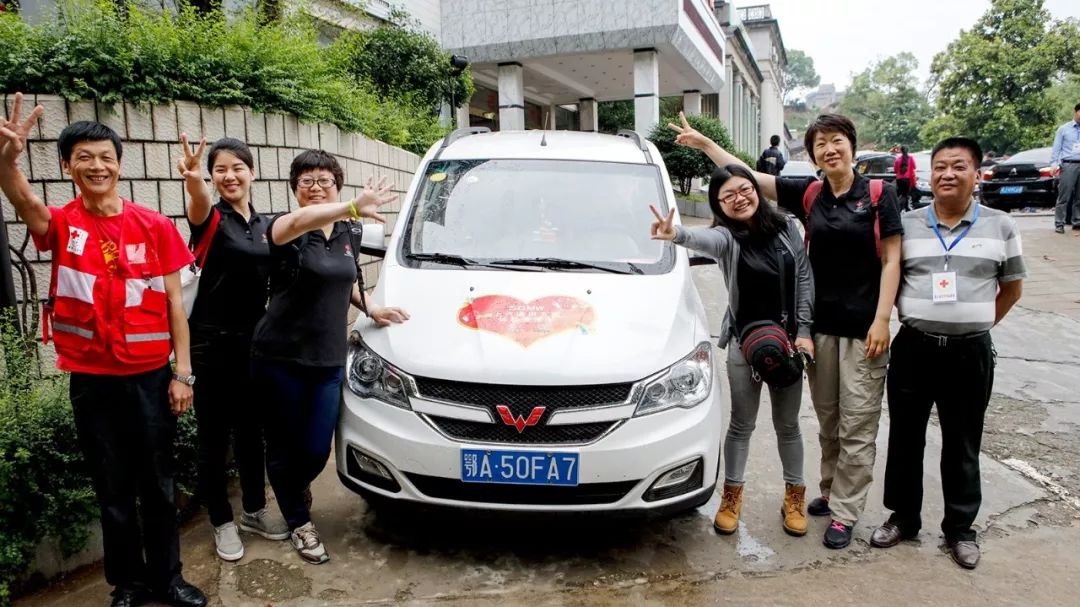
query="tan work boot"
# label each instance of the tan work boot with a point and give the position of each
(727, 517)
(794, 509)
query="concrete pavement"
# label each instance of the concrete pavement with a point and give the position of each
(1029, 524)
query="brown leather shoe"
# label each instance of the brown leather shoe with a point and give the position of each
(793, 511)
(965, 553)
(888, 535)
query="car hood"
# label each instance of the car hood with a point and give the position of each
(536, 328)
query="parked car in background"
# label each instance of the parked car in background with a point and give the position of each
(920, 193)
(879, 165)
(1025, 179)
(799, 168)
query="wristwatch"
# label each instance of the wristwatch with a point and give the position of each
(184, 379)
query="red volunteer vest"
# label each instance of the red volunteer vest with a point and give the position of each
(102, 319)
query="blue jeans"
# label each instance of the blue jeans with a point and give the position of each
(301, 406)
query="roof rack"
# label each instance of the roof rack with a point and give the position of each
(458, 134)
(638, 139)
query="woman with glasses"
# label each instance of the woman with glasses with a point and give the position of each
(854, 234)
(768, 275)
(298, 351)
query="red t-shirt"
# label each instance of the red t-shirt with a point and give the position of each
(909, 174)
(171, 251)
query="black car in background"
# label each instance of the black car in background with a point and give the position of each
(1024, 180)
(879, 165)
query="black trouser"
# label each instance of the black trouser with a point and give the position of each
(958, 377)
(226, 407)
(903, 190)
(126, 432)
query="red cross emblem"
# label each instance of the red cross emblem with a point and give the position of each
(943, 284)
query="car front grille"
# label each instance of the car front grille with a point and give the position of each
(521, 401)
(540, 495)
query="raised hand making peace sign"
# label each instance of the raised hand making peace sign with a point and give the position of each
(13, 133)
(372, 197)
(662, 228)
(190, 166)
(688, 135)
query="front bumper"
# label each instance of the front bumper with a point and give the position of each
(615, 472)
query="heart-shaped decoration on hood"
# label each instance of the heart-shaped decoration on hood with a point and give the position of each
(526, 322)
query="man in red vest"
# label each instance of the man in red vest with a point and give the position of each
(115, 314)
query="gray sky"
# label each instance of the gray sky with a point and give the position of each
(844, 36)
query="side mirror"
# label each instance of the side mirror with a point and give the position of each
(372, 242)
(700, 260)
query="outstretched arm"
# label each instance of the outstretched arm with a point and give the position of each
(690, 137)
(13, 133)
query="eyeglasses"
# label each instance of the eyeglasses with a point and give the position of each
(744, 190)
(324, 182)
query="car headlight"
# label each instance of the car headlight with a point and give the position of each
(369, 376)
(685, 384)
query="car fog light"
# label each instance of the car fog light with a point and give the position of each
(366, 468)
(676, 476)
(371, 466)
(677, 481)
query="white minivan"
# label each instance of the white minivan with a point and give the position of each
(557, 358)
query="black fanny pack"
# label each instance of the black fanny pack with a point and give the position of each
(767, 346)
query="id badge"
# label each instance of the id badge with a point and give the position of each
(944, 287)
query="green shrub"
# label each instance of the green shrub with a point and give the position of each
(91, 49)
(684, 163)
(45, 491)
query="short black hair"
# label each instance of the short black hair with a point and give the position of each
(774, 140)
(85, 130)
(829, 123)
(966, 143)
(1076, 108)
(233, 146)
(314, 160)
(766, 221)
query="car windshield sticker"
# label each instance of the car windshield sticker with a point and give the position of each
(437, 177)
(527, 322)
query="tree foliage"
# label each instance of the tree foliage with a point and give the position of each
(991, 82)
(885, 103)
(799, 73)
(684, 163)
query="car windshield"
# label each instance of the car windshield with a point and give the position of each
(797, 168)
(1028, 156)
(561, 215)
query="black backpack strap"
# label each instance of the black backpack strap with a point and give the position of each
(786, 315)
(356, 238)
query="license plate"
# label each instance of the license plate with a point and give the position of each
(519, 467)
(1012, 189)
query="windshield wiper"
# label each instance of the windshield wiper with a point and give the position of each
(570, 264)
(458, 260)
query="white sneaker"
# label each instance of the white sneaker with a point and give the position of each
(307, 542)
(265, 523)
(227, 541)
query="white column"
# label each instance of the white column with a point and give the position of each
(737, 113)
(511, 97)
(552, 123)
(772, 111)
(691, 103)
(588, 117)
(462, 113)
(723, 100)
(646, 90)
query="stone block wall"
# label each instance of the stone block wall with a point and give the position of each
(151, 147)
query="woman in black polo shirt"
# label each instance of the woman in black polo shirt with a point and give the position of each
(298, 352)
(855, 289)
(231, 299)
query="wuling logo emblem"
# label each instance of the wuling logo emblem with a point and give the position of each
(519, 422)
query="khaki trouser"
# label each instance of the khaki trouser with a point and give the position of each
(846, 389)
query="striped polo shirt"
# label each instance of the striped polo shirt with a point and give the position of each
(988, 255)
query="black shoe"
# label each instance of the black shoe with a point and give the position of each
(1060, 229)
(888, 535)
(129, 597)
(819, 506)
(183, 594)
(964, 553)
(1076, 228)
(837, 536)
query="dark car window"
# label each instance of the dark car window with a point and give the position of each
(875, 165)
(1031, 156)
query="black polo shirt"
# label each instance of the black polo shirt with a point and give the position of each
(310, 287)
(759, 282)
(232, 289)
(843, 255)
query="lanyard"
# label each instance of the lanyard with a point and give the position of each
(950, 247)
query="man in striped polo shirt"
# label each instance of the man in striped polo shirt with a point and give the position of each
(962, 273)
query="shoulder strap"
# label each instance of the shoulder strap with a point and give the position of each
(356, 238)
(877, 186)
(202, 249)
(809, 196)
